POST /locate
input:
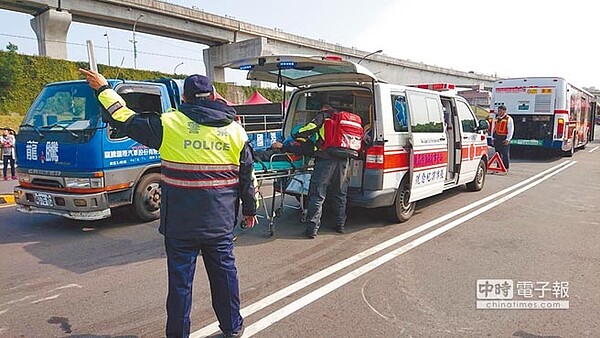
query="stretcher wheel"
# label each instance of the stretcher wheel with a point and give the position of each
(243, 224)
(278, 212)
(271, 233)
(304, 217)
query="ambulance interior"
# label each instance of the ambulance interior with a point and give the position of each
(305, 105)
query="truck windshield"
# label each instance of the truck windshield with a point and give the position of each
(70, 106)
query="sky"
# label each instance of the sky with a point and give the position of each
(510, 38)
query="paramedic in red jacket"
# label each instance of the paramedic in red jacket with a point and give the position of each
(330, 174)
(206, 168)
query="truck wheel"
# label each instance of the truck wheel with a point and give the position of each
(479, 180)
(146, 198)
(402, 210)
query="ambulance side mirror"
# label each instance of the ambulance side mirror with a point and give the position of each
(483, 125)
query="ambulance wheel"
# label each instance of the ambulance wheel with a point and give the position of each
(146, 198)
(479, 180)
(402, 210)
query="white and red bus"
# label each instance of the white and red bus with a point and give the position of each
(548, 112)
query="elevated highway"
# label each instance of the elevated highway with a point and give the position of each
(227, 39)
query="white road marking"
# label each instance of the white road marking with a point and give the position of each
(592, 150)
(65, 287)
(45, 299)
(3, 311)
(17, 300)
(362, 292)
(7, 206)
(352, 275)
(299, 285)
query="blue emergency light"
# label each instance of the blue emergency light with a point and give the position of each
(286, 64)
(246, 67)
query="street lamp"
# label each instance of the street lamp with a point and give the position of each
(366, 56)
(175, 69)
(108, 46)
(135, 42)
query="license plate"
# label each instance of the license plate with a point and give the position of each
(43, 199)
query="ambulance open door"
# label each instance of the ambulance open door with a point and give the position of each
(429, 146)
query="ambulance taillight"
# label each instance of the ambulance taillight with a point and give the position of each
(375, 157)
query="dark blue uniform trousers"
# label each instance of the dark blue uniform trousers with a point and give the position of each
(328, 175)
(502, 149)
(220, 267)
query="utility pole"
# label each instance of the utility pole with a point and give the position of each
(175, 69)
(135, 42)
(366, 56)
(108, 46)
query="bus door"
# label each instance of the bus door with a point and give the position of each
(429, 145)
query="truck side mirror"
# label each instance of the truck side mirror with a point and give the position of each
(483, 125)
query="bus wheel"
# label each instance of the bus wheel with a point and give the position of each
(569, 153)
(479, 180)
(146, 198)
(402, 210)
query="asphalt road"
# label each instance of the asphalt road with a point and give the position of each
(539, 224)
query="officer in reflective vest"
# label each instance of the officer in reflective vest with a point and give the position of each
(503, 129)
(206, 168)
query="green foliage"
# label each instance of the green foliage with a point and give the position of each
(481, 113)
(22, 77)
(273, 95)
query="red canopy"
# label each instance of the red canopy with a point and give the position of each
(220, 97)
(257, 98)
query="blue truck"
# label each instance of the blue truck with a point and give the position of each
(74, 164)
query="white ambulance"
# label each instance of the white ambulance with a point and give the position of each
(420, 141)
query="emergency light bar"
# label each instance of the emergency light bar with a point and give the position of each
(436, 86)
(286, 64)
(332, 58)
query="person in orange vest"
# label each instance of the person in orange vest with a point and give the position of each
(503, 129)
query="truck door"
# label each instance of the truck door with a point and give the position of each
(118, 149)
(429, 145)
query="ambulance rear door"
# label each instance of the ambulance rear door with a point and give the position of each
(428, 142)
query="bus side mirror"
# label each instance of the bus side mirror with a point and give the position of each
(483, 125)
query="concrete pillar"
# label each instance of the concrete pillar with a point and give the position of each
(213, 71)
(51, 28)
(217, 56)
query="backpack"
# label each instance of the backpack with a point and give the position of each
(343, 135)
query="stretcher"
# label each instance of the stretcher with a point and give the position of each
(290, 176)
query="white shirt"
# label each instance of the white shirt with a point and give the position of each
(8, 145)
(509, 126)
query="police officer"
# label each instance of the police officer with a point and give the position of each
(503, 129)
(206, 167)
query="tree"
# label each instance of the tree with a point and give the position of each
(11, 47)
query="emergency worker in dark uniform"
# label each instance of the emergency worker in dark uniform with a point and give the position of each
(330, 175)
(206, 168)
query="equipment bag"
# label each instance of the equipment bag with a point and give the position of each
(343, 134)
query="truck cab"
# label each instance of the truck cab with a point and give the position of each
(418, 142)
(74, 164)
